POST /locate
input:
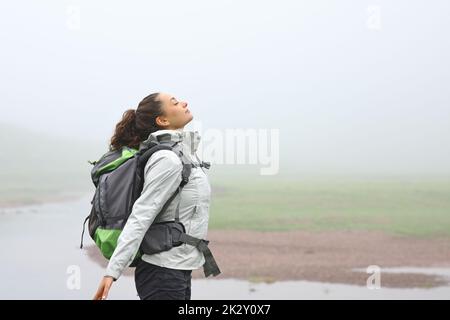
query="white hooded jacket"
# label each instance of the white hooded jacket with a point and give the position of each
(162, 176)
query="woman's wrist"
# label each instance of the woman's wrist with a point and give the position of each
(107, 276)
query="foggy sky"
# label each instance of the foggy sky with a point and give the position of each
(345, 95)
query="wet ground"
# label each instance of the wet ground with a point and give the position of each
(41, 259)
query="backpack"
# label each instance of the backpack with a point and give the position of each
(119, 178)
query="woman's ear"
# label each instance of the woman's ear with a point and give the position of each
(161, 121)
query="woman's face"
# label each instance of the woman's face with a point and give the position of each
(175, 113)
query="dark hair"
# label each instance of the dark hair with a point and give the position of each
(137, 125)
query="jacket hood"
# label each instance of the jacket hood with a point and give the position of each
(189, 139)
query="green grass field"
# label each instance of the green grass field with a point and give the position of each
(48, 168)
(23, 188)
(36, 167)
(415, 207)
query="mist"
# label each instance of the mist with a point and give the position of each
(352, 87)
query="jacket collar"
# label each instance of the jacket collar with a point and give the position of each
(189, 139)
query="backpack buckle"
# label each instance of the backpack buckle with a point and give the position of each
(207, 165)
(185, 173)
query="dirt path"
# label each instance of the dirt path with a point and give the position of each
(326, 256)
(321, 256)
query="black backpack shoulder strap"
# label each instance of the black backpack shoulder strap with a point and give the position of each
(145, 153)
(186, 172)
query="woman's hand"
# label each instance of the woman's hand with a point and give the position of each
(103, 288)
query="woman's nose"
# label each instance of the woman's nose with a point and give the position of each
(185, 104)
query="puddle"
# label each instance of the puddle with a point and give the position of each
(45, 262)
(305, 290)
(440, 272)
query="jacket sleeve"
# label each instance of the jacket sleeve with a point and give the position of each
(162, 176)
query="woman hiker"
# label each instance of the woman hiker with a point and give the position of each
(160, 118)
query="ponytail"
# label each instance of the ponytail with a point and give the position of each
(137, 125)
